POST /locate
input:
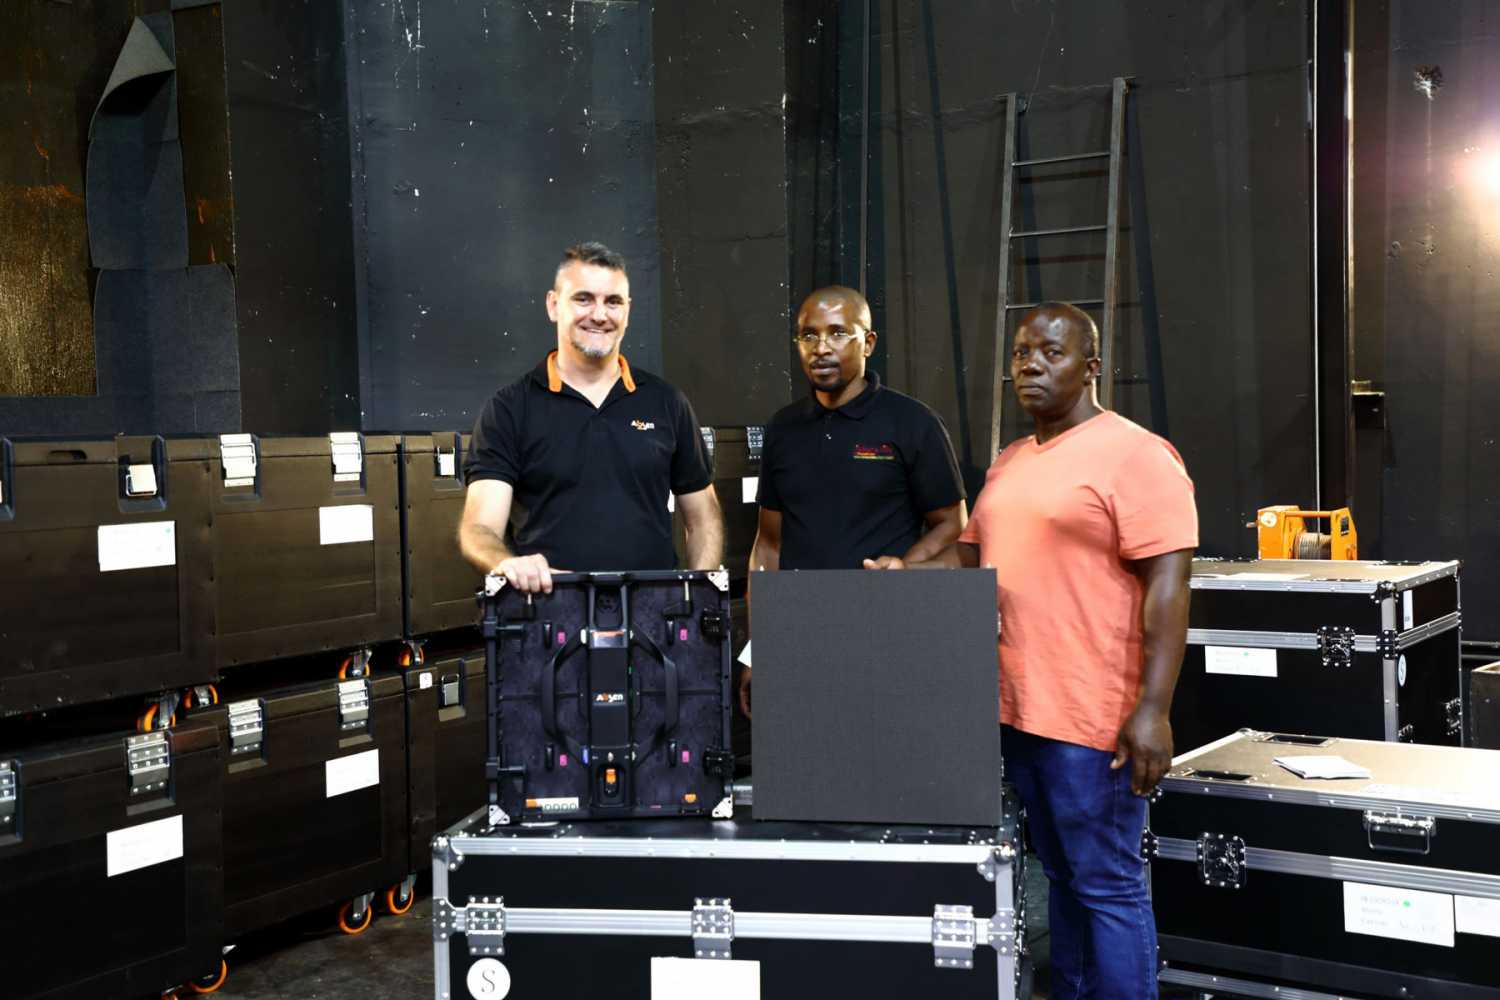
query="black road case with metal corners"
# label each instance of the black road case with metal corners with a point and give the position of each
(105, 573)
(1358, 649)
(1484, 696)
(445, 725)
(697, 908)
(735, 452)
(611, 696)
(314, 783)
(1385, 886)
(439, 582)
(110, 855)
(306, 545)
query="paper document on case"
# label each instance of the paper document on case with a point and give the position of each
(1322, 767)
(745, 655)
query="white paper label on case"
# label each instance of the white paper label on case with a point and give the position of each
(350, 774)
(1400, 914)
(749, 487)
(1239, 660)
(1473, 915)
(350, 523)
(1407, 617)
(137, 546)
(137, 847)
(447, 463)
(424, 681)
(696, 978)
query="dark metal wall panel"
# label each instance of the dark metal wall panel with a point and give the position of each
(489, 137)
(1426, 304)
(1217, 206)
(289, 147)
(722, 205)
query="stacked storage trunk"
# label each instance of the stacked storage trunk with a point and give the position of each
(1358, 649)
(111, 858)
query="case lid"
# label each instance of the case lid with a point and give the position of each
(1346, 576)
(1434, 780)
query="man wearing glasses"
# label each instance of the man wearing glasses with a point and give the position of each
(570, 467)
(856, 470)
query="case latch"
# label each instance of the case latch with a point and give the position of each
(247, 726)
(1221, 860)
(148, 761)
(484, 925)
(354, 704)
(8, 797)
(348, 456)
(140, 480)
(713, 928)
(755, 441)
(237, 460)
(1453, 714)
(953, 937)
(1402, 830)
(1336, 645)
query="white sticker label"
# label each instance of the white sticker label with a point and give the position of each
(696, 978)
(1407, 617)
(1239, 660)
(489, 979)
(137, 546)
(350, 774)
(341, 525)
(744, 656)
(671, 502)
(749, 487)
(447, 463)
(561, 804)
(1477, 916)
(137, 847)
(1401, 914)
(424, 681)
(1401, 670)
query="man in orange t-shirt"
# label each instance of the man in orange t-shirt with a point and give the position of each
(1090, 526)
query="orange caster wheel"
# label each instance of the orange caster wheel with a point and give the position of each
(412, 655)
(147, 722)
(346, 912)
(212, 982)
(400, 898)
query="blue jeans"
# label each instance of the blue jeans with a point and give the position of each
(1086, 828)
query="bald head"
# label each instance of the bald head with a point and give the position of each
(1059, 317)
(855, 308)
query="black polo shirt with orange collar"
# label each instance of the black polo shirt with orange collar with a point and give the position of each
(590, 483)
(857, 482)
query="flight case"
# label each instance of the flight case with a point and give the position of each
(691, 907)
(104, 557)
(1387, 886)
(445, 726)
(110, 854)
(439, 582)
(1339, 648)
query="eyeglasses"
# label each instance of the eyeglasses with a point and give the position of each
(837, 339)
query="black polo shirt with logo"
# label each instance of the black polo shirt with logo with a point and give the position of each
(856, 482)
(590, 484)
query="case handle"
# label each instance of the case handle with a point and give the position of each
(1403, 828)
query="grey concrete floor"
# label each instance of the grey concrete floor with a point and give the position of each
(310, 959)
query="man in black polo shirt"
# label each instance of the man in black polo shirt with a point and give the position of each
(856, 470)
(577, 457)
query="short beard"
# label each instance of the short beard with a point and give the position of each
(589, 351)
(839, 385)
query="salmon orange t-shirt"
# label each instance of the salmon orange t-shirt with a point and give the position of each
(1060, 522)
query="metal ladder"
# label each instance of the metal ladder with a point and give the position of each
(1110, 228)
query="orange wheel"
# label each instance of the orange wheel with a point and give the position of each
(344, 668)
(143, 724)
(393, 899)
(211, 983)
(213, 695)
(346, 910)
